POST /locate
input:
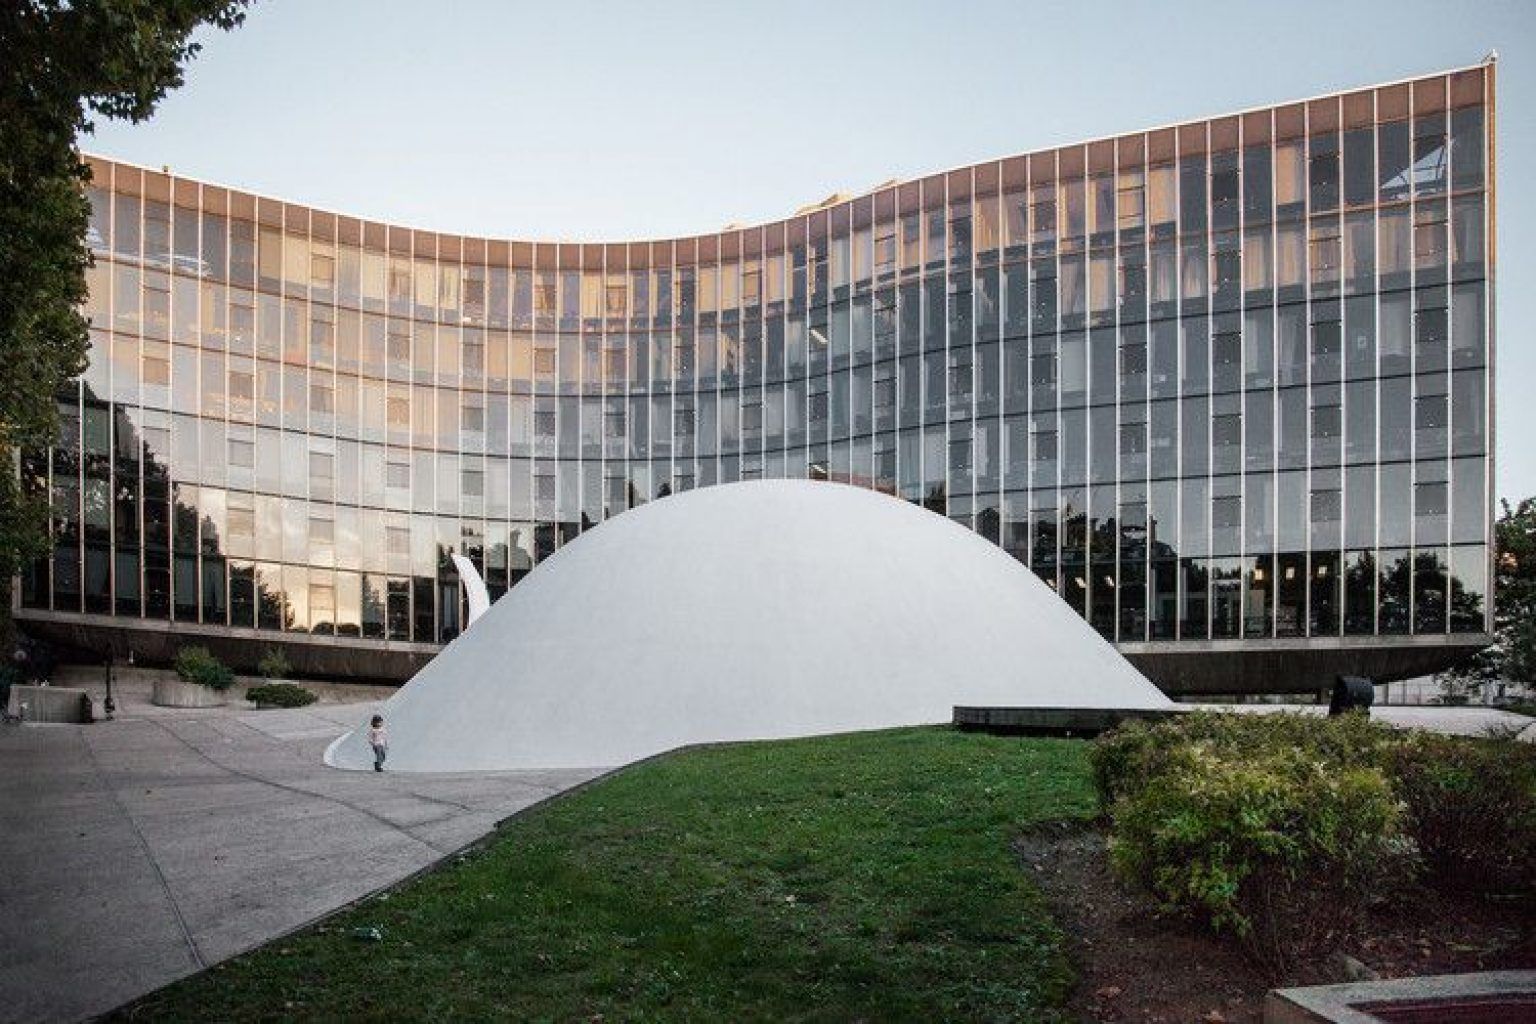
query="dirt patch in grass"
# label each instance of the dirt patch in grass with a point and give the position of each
(1136, 963)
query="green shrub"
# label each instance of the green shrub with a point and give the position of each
(1277, 828)
(274, 664)
(283, 695)
(197, 664)
(1279, 848)
(1121, 759)
(1522, 706)
(1129, 757)
(1471, 806)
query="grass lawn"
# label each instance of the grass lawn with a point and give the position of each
(863, 876)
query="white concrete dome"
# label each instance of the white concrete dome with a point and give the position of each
(746, 611)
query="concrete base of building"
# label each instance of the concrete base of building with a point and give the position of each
(1180, 668)
(91, 638)
(51, 704)
(1210, 668)
(1484, 996)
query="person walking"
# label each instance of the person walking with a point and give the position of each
(378, 739)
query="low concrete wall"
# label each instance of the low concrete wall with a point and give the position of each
(51, 704)
(1500, 995)
(137, 682)
(95, 676)
(178, 693)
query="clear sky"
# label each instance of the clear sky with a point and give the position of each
(609, 121)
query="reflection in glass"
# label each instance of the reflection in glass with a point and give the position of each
(1194, 391)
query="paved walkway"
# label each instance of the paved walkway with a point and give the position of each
(138, 851)
(1461, 720)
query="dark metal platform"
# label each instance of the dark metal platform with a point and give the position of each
(1055, 721)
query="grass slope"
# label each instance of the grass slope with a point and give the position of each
(865, 876)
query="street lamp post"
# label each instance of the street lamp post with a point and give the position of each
(109, 705)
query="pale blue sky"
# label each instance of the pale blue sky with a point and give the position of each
(606, 121)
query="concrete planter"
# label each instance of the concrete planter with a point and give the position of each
(178, 693)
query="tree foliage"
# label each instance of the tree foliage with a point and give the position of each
(64, 62)
(1512, 656)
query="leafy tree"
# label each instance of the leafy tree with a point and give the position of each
(64, 62)
(1512, 656)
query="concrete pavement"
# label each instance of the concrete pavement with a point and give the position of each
(140, 850)
(1452, 720)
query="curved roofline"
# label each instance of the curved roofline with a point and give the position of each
(839, 198)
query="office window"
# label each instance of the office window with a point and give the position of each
(322, 271)
(322, 399)
(241, 523)
(1327, 421)
(472, 418)
(322, 467)
(1133, 438)
(1131, 200)
(1431, 499)
(1042, 369)
(157, 369)
(1430, 412)
(398, 343)
(1327, 506)
(1226, 513)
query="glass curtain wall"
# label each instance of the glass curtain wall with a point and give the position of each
(1224, 380)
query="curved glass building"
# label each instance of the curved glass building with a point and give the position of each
(1224, 385)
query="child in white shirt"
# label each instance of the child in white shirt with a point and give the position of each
(378, 739)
